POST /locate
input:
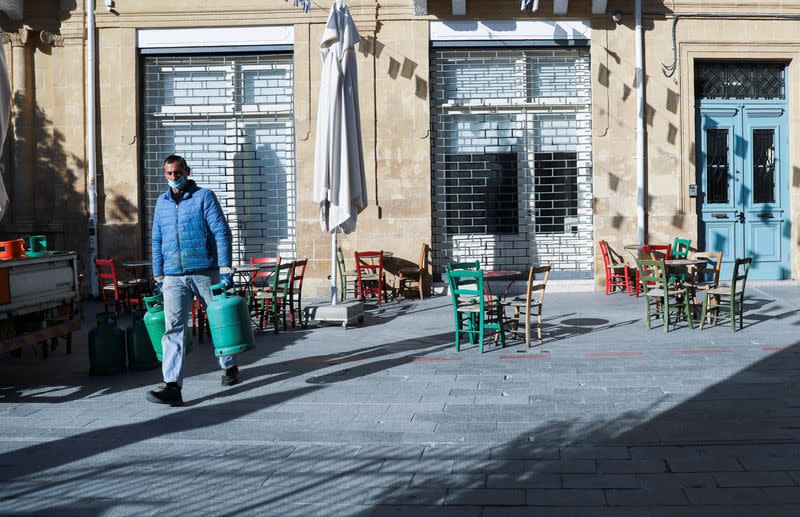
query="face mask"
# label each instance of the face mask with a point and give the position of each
(177, 184)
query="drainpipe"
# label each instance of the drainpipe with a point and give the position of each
(91, 142)
(640, 125)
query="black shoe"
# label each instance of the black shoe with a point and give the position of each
(231, 376)
(169, 394)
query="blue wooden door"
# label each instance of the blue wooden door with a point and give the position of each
(744, 184)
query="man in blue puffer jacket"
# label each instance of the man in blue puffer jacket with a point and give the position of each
(191, 252)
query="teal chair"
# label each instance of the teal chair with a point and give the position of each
(731, 295)
(680, 248)
(272, 303)
(469, 266)
(664, 296)
(473, 314)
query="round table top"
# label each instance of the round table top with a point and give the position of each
(501, 274)
(684, 262)
(137, 263)
(252, 268)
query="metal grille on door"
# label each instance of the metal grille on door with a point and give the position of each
(231, 117)
(512, 174)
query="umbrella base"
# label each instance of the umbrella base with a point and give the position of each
(343, 313)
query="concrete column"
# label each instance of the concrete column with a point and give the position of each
(22, 117)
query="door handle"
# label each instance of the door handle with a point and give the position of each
(719, 215)
(740, 216)
(766, 216)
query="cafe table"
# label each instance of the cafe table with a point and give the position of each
(500, 275)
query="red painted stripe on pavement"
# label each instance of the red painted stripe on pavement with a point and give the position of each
(529, 356)
(704, 351)
(774, 348)
(329, 360)
(438, 358)
(614, 354)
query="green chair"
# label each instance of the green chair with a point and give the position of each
(348, 279)
(731, 295)
(680, 248)
(469, 266)
(272, 304)
(667, 298)
(472, 315)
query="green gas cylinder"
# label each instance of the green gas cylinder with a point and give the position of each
(154, 323)
(229, 322)
(106, 346)
(141, 355)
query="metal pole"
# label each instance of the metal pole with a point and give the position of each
(334, 276)
(91, 144)
(640, 126)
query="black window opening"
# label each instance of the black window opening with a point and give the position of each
(481, 193)
(764, 165)
(717, 166)
(556, 192)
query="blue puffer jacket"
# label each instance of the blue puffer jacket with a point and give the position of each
(190, 235)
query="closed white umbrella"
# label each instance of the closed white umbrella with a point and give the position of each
(340, 185)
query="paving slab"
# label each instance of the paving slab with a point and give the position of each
(386, 418)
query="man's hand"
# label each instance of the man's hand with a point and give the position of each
(159, 283)
(227, 279)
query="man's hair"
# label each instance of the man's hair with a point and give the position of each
(175, 158)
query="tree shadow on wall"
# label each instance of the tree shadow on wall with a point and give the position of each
(56, 204)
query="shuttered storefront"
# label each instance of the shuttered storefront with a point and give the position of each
(231, 117)
(512, 175)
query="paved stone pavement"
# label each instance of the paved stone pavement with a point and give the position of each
(603, 418)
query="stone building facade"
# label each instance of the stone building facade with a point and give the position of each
(492, 133)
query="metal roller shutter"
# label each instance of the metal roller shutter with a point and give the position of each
(231, 117)
(512, 174)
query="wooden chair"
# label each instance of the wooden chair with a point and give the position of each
(272, 303)
(295, 304)
(369, 271)
(474, 265)
(732, 295)
(667, 298)
(261, 279)
(706, 276)
(408, 275)
(680, 248)
(112, 289)
(472, 314)
(652, 252)
(530, 305)
(618, 274)
(348, 278)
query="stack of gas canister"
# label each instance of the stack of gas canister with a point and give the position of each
(33, 246)
(228, 318)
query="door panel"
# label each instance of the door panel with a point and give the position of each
(742, 170)
(763, 176)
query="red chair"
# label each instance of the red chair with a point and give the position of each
(369, 271)
(199, 320)
(618, 273)
(111, 287)
(296, 291)
(652, 252)
(262, 279)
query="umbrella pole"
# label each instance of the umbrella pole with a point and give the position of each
(334, 276)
